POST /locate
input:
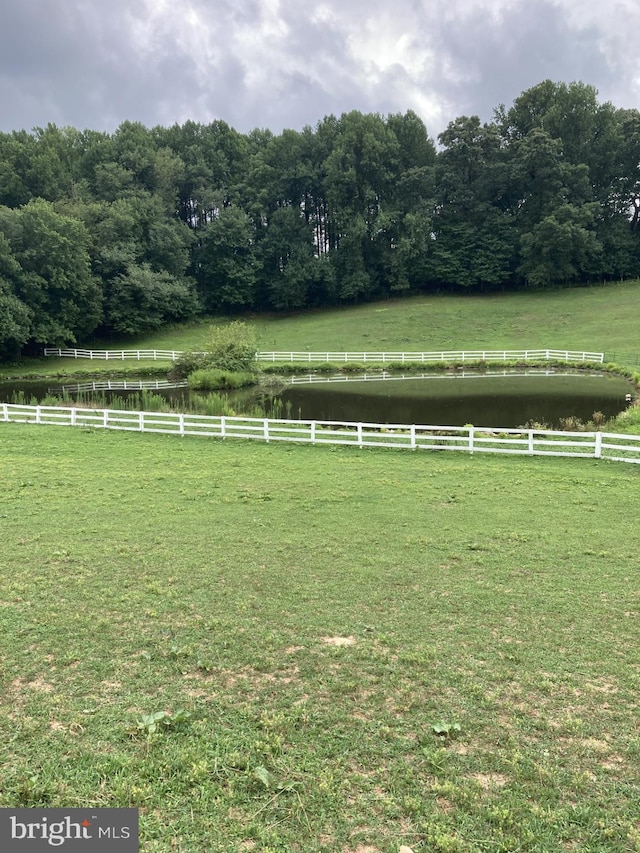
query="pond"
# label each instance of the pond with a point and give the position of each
(491, 398)
(508, 400)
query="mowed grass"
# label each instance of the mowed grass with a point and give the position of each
(304, 616)
(602, 319)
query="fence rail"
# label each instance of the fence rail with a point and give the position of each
(380, 374)
(119, 385)
(307, 357)
(439, 355)
(115, 355)
(530, 442)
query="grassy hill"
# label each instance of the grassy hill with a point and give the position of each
(604, 319)
(599, 318)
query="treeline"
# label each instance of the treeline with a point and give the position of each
(117, 234)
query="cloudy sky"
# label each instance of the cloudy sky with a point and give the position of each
(287, 63)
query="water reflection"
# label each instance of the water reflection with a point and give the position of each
(493, 398)
(496, 398)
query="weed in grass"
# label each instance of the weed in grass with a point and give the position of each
(149, 724)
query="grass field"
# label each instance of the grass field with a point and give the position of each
(253, 644)
(603, 319)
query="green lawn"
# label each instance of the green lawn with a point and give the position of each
(303, 617)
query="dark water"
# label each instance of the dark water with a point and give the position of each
(493, 401)
(507, 401)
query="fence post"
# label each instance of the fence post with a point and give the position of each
(470, 439)
(223, 427)
(598, 446)
(141, 421)
(413, 436)
(266, 430)
(359, 435)
(105, 418)
(73, 417)
(181, 422)
(531, 442)
(313, 432)
(5, 412)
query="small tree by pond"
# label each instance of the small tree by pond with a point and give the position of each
(231, 348)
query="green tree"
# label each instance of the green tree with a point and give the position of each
(225, 264)
(561, 248)
(55, 283)
(474, 243)
(15, 316)
(142, 299)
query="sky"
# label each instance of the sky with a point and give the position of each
(285, 64)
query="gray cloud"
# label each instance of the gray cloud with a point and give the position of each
(279, 63)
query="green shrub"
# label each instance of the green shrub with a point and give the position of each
(232, 347)
(188, 363)
(213, 379)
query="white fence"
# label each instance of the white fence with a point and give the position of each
(426, 357)
(115, 355)
(345, 357)
(120, 385)
(530, 442)
(382, 375)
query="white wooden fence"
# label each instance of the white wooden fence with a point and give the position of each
(530, 442)
(120, 385)
(292, 356)
(381, 375)
(115, 355)
(436, 356)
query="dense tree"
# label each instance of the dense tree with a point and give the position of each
(55, 280)
(225, 262)
(142, 299)
(474, 239)
(15, 317)
(122, 232)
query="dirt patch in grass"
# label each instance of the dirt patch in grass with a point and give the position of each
(490, 780)
(38, 684)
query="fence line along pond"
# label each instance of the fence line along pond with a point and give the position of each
(292, 356)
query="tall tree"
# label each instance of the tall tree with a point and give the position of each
(225, 265)
(15, 316)
(474, 243)
(55, 283)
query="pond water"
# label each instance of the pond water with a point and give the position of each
(493, 399)
(508, 400)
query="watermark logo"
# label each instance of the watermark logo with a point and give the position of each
(69, 830)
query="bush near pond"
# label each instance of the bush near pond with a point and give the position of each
(212, 379)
